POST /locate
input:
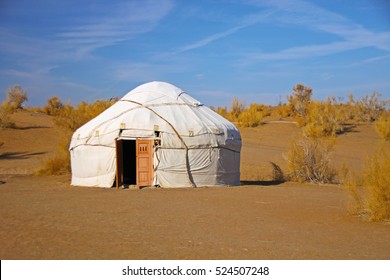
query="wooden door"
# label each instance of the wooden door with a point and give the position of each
(144, 162)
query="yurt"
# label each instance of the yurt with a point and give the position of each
(156, 135)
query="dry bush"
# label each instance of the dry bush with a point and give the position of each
(323, 120)
(350, 110)
(5, 120)
(371, 107)
(376, 183)
(371, 191)
(383, 126)
(253, 116)
(70, 118)
(300, 100)
(15, 99)
(265, 110)
(283, 110)
(59, 163)
(309, 161)
(368, 109)
(16, 96)
(53, 106)
(236, 108)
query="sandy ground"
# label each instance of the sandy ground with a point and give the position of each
(46, 218)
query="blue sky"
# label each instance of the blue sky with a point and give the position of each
(256, 50)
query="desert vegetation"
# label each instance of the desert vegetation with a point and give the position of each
(243, 116)
(309, 157)
(309, 161)
(65, 116)
(371, 191)
(68, 118)
(382, 126)
(16, 97)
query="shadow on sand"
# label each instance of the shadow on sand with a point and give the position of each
(17, 155)
(30, 127)
(261, 183)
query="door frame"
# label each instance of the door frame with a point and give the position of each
(119, 149)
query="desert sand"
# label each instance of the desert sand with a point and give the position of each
(46, 218)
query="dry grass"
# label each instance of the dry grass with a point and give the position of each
(56, 165)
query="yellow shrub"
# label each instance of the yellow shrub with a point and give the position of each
(300, 121)
(252, 117)
(283, 110)
(383, 126)
(236, 108)
(323, 120)
(377, 186)
(72, 118)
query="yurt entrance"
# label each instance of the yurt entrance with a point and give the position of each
(134, 162)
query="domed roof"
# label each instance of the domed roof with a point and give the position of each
(163, 107)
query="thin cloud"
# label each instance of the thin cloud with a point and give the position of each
(83, 36)
(122, 24)
(306, 51)
(75, 40)
(352, 36)
(208, 40)
(246, 22)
